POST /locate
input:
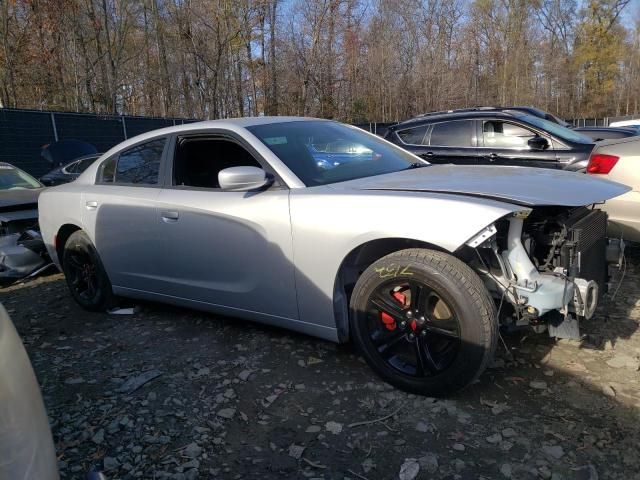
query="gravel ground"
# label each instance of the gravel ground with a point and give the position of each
(174, 393)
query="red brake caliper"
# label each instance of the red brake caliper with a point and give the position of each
(389, 322)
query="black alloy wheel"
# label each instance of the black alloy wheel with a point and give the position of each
(413, 328)
(424, 321)
(84, 273)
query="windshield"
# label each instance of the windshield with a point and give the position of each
(12, 178)
(321, 152)
(563, 133)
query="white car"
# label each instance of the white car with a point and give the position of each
(329, 230)
(619, 160)
(626, 123)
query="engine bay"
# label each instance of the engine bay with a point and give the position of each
(548, 267)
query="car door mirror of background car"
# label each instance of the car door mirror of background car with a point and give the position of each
(242, 179)
(538, 143)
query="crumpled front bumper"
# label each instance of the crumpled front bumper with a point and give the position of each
(21, 255)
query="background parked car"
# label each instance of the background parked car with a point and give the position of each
(489, 136)
(21, 249)
(68, 172)
(626, 123)
(607, 133)
(64, 151)
(619, 160)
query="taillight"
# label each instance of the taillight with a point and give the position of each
(601, 163)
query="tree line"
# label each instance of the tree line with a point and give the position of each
(353, 60)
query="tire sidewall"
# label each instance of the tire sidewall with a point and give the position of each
(474, 338)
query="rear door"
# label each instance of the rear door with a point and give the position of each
(443, 142)
(120, 215)
(505, 142)
(452, 142)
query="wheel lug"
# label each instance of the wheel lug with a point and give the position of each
(403, 324)
(409, 314)
(423, 333)
(412, 336)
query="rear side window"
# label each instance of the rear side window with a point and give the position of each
(84, 164)
(458, 133)
(138, 165)
(72, 168)
(414, 136)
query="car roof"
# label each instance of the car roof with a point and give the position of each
(233, 124)
(461, 114)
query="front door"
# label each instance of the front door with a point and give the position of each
(225, 248)
(507, 143)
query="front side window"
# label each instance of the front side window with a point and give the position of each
(198, 160)
(414, 136)
(321, 152)
(499, 134)
(458, 133)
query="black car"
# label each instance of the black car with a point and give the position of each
(607, 133)
(492, 136)
(68, 172)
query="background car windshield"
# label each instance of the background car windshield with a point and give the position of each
(321, 152)
(558, 130)
(12, 178)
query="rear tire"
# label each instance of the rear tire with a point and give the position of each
(86, 278)
(424, 321)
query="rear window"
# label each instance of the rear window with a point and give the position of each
(458, 133)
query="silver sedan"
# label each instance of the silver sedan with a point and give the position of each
(325, 229)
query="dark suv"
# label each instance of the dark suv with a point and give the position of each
(492, 136)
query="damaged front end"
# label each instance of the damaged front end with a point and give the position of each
(22, 251)
(547, 267)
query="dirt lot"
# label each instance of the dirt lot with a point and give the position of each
(233, 399)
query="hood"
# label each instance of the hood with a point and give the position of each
(517, 185)
(19, 199)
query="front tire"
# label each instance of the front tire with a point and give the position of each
(86, 278)
(424, 321)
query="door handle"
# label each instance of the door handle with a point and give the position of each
(169, 216)
(428, 155)
(492, 157)
(91, 205)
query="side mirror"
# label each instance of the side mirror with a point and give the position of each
(242, 179)
(538, 143)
